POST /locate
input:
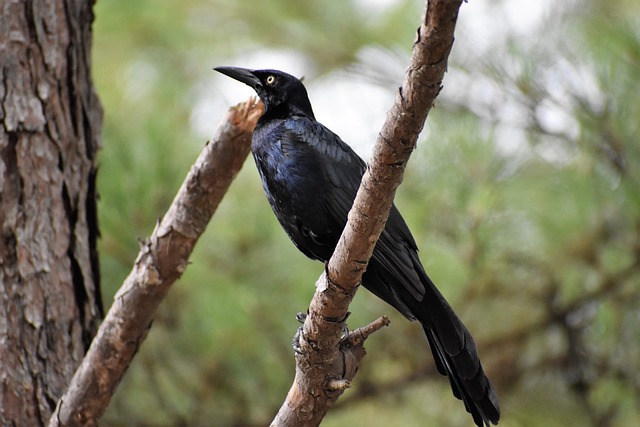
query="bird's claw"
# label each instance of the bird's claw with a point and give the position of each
(295, 343)
(300, 317)
(345, 334)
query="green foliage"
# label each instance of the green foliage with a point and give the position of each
(523, 195)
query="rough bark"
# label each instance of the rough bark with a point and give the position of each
(162, 259)
(325, 366)
(50, 124)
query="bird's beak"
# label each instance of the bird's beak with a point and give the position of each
(241, 74)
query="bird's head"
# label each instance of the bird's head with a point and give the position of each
(281, 93)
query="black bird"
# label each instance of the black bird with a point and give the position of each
(311, 177)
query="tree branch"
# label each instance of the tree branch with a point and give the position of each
(324, 360)
(162, 259)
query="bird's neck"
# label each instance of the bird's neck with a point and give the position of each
(283, 111)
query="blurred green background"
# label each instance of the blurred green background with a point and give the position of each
(523, 194)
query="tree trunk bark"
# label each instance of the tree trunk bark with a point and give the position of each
(51, 120)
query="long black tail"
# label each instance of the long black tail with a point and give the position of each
(455, 355)
(395, 274)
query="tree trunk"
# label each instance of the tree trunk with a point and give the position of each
(49, 135)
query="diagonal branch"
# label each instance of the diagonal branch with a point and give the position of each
(323, 361)
(162, 259)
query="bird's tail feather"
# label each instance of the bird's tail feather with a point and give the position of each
(453, 348)
(456, 356)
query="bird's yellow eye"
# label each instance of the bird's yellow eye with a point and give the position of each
(271, 80)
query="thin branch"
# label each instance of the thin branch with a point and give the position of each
(162, 259)
(322, 362)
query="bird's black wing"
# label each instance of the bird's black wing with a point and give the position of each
(340, 165)
(342, 168)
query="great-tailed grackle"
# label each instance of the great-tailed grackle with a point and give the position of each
(311, 177)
